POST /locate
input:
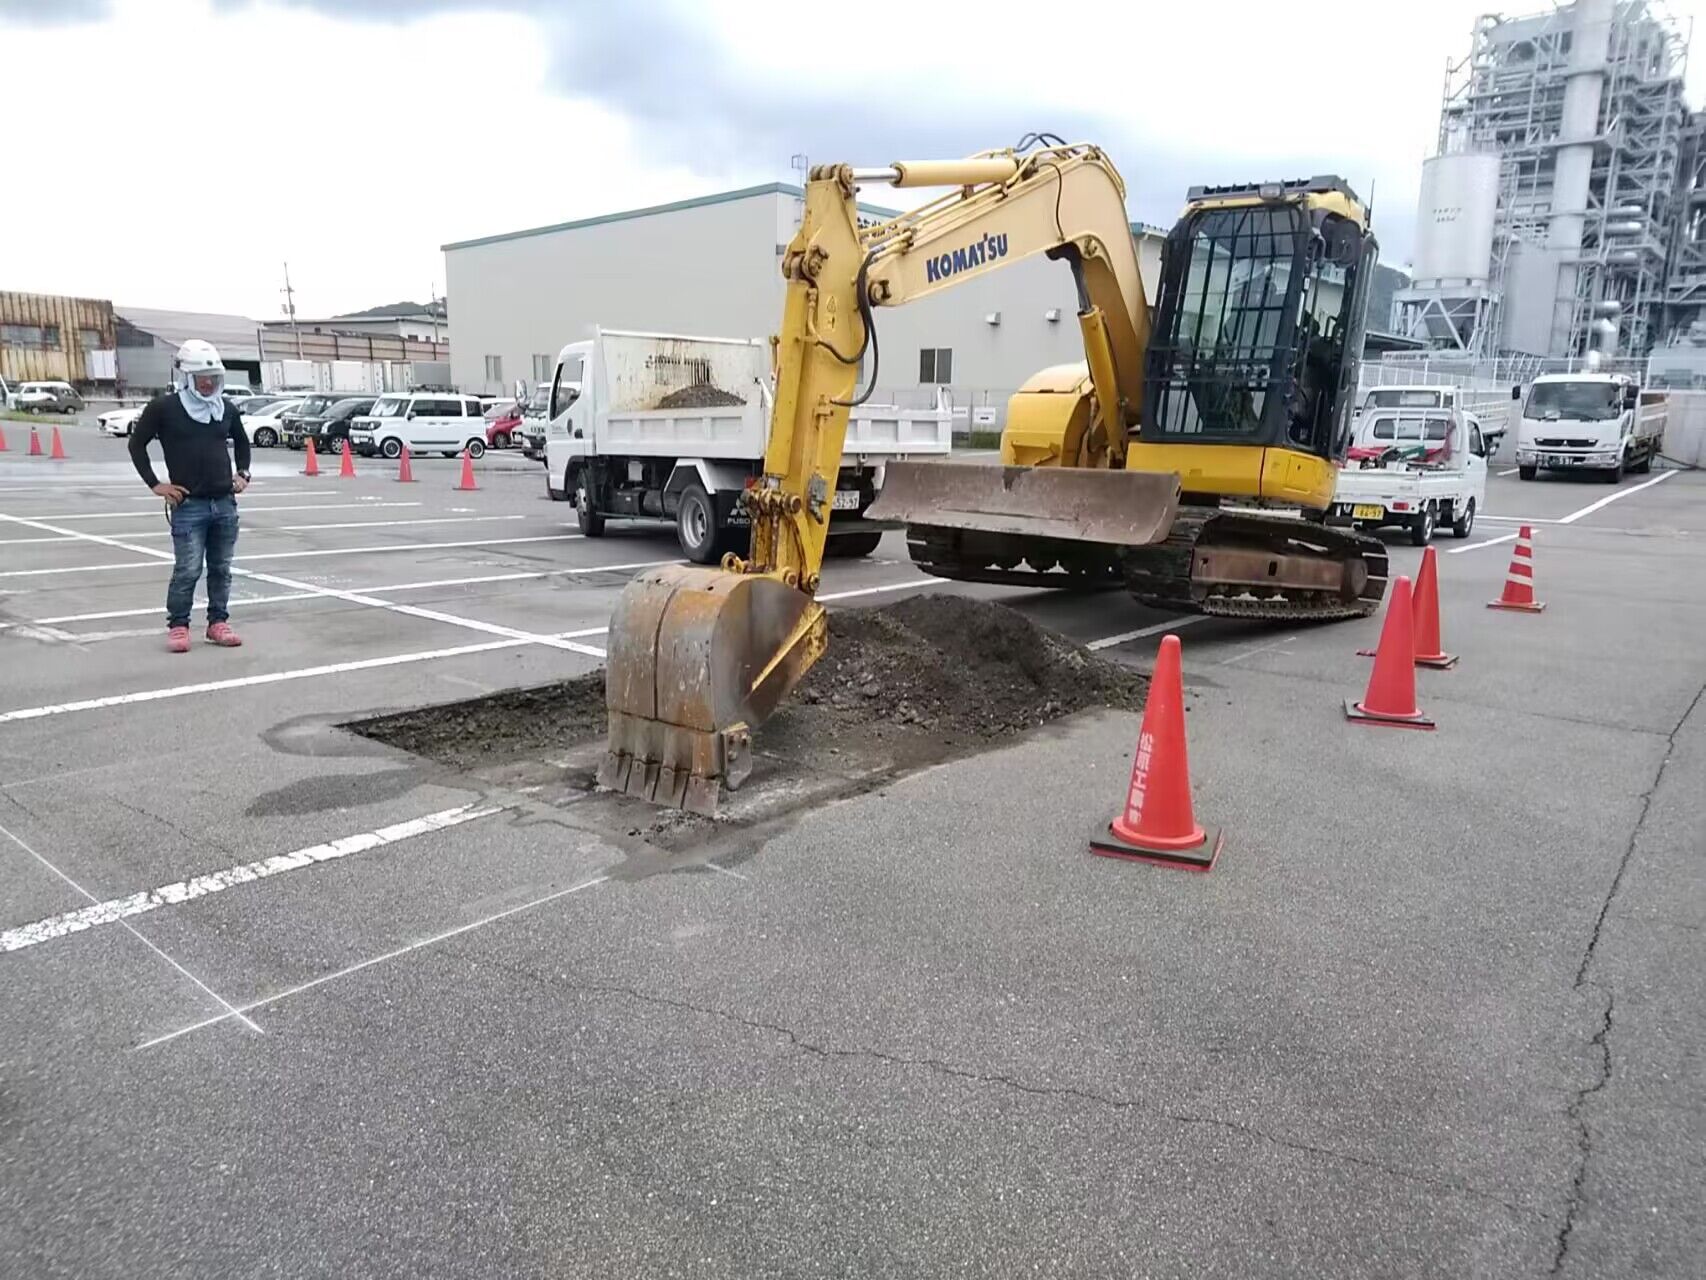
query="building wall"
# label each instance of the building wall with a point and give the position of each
(714, 269)
(45, 337)
(710, 270)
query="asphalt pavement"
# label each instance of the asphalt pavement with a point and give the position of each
(275, 1000)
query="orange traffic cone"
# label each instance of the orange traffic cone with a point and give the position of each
(58, 450)
(1424, 618)
(1157, 824)
(467, 480)
(1391, 696)
(1519, 578)
(346, 468)
(405, 472)
(313, 464)
(35, 443)
(2, 439)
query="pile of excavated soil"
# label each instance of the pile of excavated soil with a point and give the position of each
(931, 669)
(964, 668)
(701, 395)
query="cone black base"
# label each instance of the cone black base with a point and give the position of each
(1536, 607)
(1200, 857)
(1356, 714)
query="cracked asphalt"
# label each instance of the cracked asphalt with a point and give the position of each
(1437, 1012)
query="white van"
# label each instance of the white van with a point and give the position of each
(427, 421)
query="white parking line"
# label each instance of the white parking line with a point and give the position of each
(1174, 624)
(892, 586)
(246, 506)
(274, 555)
(1476, 546)
(382, 590)
(437, 938)
(378, 524)
(1511, 471)
(1613, 497)
(170, 895)
(230, 1010)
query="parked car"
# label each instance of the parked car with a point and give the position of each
(47, 397)
(327, 425)
(426, 421)
(266, 428)
(118, 422)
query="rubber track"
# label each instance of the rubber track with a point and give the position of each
(1160, 576)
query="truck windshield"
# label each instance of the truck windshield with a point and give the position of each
(1575, 401)
(1400, 428)
(390, 406)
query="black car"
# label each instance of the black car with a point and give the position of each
(324, 420)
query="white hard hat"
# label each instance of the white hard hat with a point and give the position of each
(196, 356)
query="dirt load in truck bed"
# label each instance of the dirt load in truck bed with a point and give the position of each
(701, 395)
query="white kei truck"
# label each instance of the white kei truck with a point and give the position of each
(1599, 422)
(1414, 468)
(660, 427)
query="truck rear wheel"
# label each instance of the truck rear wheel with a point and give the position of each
(1461, 527)
(1527, 472)
(696, 525)
(851, 546)
(1422, 528)
(591, 522)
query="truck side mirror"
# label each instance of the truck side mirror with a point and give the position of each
(1516, 393)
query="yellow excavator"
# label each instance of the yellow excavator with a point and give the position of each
(1190, 457)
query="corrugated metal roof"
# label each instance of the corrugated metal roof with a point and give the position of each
(233, 335)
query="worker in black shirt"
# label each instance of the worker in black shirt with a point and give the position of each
(193, 425)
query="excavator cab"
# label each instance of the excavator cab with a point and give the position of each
(1259, 330)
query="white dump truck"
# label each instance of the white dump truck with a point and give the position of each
(1415, 468)
(1599, 422)
(652, 426)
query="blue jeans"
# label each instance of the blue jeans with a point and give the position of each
(202, 528)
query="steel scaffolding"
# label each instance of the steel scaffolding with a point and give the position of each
(1512, 94)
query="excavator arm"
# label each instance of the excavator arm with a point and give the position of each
(698, 657)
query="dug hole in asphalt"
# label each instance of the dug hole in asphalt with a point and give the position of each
(1435, 1011)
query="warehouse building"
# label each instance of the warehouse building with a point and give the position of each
(50, 338)
(712, 266)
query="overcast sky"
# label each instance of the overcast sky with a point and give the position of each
(176, 153)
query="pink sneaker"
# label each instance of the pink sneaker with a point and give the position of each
(178, 639)
(220, 633)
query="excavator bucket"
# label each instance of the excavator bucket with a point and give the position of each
(1070, 504)
(698, 658)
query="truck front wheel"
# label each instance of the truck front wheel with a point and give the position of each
(1527, 471)
(591, 522)
(1645, 465)
(696, 525)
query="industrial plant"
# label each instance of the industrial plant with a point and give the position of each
(1562, 217)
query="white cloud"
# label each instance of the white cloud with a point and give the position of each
(371, 137)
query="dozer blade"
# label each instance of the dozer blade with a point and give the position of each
(698, 658)
(1073, 504)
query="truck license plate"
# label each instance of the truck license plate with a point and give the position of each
(847, 499)
(1368, 511)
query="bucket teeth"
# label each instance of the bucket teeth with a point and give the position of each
(667, 765)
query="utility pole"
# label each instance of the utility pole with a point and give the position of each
(432, 309)
(290, 309)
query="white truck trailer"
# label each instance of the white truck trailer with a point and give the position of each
(1599, 422)
(1415, 468)
(652, 426)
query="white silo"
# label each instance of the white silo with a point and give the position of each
(1450, 300)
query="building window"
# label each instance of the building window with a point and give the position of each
(543, 367)
(89, 339)
(41, 337)
(936, 364)
(494, 368)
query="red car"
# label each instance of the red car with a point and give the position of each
(504, 430)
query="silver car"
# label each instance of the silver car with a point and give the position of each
(47, 397)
